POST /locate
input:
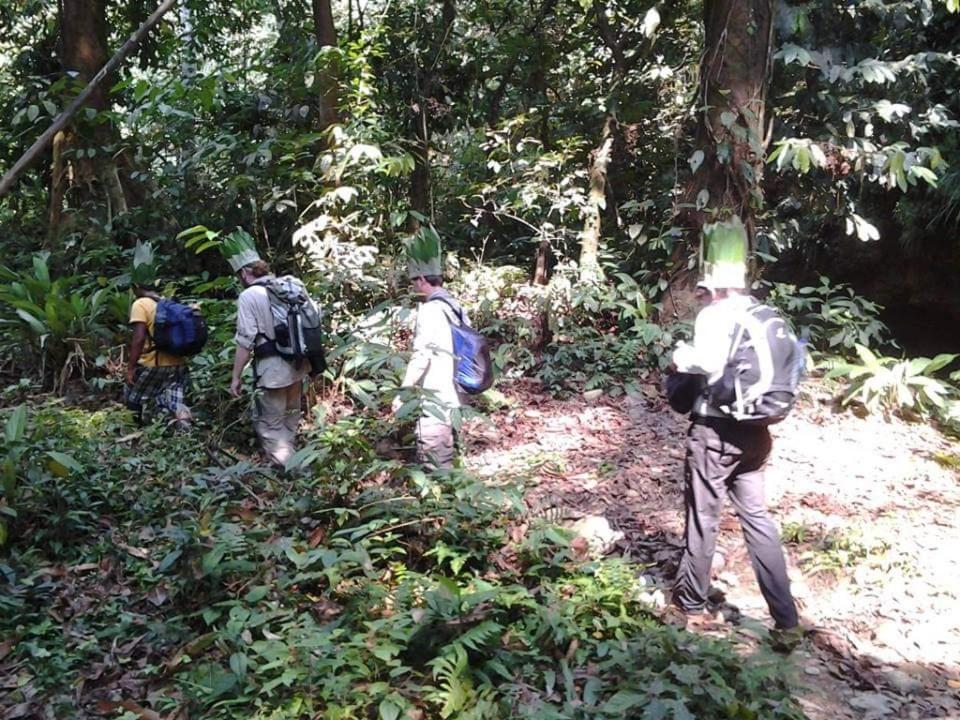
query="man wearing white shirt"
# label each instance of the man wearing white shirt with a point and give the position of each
(724, 454)
(431, 365)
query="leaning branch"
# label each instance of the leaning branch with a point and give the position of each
(10, 179)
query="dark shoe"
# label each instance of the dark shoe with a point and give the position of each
(785, 641)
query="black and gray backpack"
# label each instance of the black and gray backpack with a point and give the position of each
(763, 371)
(297, 327)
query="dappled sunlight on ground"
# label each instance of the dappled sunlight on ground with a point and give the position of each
(870, 513)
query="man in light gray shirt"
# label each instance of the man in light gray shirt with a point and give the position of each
(726, 455)
(278, 382)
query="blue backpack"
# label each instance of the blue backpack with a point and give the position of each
(178, 329)
(473, 368)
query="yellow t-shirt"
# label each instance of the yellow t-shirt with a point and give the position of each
(144, 310)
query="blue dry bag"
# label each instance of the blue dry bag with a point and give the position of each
(473, 368)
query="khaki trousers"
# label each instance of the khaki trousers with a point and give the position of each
(276, 417)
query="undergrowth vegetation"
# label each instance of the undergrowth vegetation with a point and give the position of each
(146, 572)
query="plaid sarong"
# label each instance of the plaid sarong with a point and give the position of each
(165, 386)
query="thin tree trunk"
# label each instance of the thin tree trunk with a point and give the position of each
(58, 188)
(420, 177)
(596, 203)
(542, 333)
(326, 35)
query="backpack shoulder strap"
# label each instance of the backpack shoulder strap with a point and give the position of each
(457, 312)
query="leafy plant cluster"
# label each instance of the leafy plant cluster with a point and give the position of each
(353, 588)
(831, 318)
(905, 386)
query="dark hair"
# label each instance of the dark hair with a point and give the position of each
(433, 280)
(258, 268)
(144, 287)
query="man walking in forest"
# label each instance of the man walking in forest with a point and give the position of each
(431, 365)
(152, 374)
(724, 454)
(277, 381)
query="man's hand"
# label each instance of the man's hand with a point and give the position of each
(235, 388)
(131, 374)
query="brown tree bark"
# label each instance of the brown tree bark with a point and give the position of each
(596, 204)
(734, 78)
(326, 35)
(85, 161)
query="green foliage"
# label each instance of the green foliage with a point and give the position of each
(54, 328)
(349, 588)
(832, 318)
(835, 551)
(892, 385)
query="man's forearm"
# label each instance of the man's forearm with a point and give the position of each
(240, 360)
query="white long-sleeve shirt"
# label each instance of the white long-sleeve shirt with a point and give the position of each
(712, 335)
(431, 365)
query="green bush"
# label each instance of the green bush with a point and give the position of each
(906, 386)
(832, 318)
(53, 329)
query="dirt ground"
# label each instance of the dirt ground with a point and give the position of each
(869, 511)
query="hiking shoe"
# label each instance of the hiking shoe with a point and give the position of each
(786, 641)
(677, 617)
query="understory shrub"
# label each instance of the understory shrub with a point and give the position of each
(354, 587)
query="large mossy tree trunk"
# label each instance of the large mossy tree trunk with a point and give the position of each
(85, 168)
(727, 163)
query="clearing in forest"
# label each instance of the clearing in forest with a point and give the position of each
(869, 510)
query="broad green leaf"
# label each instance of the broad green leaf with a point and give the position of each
(256, 593)
(238, 664)
(16, 425)
(62, 464)
(389, 710)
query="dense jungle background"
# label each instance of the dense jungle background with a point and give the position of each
(567, 153)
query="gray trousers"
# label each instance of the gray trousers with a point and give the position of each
(436, 444)
(276, 417)
(724, 455)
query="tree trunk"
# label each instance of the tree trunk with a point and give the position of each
(92, 175)
(326, 35)
(542, 332)
(58, 187)
(734, 75)
(426, 85)
(596, 204)
(727, 164)
(420, 177)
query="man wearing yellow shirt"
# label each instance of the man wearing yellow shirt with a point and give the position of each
(152, 375)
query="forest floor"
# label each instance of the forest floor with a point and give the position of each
(869, 511)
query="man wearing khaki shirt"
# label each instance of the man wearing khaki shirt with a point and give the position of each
(278, 383)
